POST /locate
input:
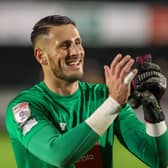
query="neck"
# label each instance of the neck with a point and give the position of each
(61, 87)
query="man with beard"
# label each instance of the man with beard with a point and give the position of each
(63, 122)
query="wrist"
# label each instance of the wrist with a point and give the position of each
(102, 118)
(114, 106)
(156, 129)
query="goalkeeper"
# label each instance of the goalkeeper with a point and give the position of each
(63, 122)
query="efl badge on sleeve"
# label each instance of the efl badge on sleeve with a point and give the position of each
(21, 112)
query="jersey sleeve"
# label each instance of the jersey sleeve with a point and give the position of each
(132, 134)
(27, 123)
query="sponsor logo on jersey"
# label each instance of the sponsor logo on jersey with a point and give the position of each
(29, 125)
(92, 159)
(87, 157)
(21, 112)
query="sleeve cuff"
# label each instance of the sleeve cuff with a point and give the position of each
(157, 129)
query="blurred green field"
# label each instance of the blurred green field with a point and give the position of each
(6, 153)
(122, 158)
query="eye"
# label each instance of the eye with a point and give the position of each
(78, 42)
(65, 45)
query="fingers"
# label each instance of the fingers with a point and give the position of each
(107, 72)
(121, 66)
(130, 76)
(119, 63)
(124, 71)
(115, 62)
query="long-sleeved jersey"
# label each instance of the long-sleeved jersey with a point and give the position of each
(49, 131)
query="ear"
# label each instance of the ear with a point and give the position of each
(40, 56)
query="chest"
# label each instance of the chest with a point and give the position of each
(67, 114)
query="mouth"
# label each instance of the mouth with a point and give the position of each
(73, 63)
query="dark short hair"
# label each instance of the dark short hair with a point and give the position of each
(43, 25)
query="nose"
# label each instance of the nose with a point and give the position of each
(74, 49)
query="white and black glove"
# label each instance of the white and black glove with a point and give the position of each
(147, 88)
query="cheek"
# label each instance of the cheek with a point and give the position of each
(52, 60)
(82, 51)
(56, 62)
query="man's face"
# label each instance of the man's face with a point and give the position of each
(65, 53)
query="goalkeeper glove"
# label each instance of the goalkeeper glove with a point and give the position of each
(147, 88)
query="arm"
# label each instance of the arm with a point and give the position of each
(147, 89)
(156, 126)
(44, 140)
(132, 134)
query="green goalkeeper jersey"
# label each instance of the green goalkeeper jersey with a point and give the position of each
(49, 131)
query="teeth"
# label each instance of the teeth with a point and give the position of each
(73, 63)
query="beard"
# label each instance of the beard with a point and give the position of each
(70, 77)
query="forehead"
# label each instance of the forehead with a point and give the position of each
(63, 32)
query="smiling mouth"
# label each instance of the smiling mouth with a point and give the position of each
(73, 62)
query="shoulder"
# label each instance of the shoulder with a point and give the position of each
(27, 96)
(20, 107)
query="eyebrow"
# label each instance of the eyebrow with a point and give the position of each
(70, 41)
